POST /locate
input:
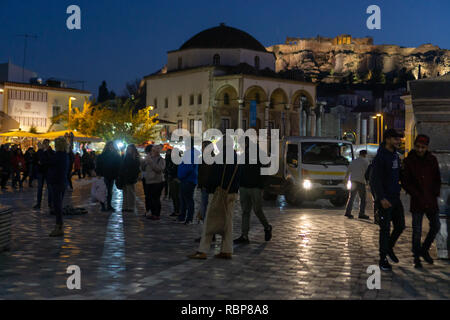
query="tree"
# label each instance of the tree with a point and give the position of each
(103, 93)
(112, 120)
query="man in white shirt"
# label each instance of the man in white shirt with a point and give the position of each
(356, 172)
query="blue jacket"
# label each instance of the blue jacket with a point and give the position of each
(188, 172)
(385, 175)
(58, 168)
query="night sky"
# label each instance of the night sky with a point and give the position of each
(124, 40)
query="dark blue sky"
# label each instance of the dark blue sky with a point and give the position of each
(123, 40)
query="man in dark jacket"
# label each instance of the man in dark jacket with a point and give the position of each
(108, 165)
(385, 183)
(58, 165)
(421, 179)
(171, 172)
(250, 190)
(43, 154)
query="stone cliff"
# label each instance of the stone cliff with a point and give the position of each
(334, 59)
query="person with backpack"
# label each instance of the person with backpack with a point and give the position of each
(421, 179)
(385, 183)
(223, 183)
(154, 166)
(356, 173)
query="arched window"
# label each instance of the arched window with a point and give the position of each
(257, 98)
(180, 62)
(216, 59)
(226, 99)
(257, 62)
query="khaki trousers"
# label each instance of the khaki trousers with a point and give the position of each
(129, 197)
(219, 220)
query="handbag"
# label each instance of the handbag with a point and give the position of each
(218, 208)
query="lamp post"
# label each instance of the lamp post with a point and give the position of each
(380, 115)
(70, 106)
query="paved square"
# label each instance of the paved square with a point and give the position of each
(315, 253)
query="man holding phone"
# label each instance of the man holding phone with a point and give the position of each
(385, 183)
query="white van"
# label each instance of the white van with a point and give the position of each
(311, 168)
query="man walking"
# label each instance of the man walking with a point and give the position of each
(250, 190)
(356, 171)
(385, 183)
(421, 179)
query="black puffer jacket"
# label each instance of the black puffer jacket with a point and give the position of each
(129, 170)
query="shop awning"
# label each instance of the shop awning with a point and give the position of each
(77, 136)
(19, 134)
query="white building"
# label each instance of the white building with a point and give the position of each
(225, 78)
(24, 105)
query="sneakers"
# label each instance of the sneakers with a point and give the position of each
(417, 263)
(268, 233)
(188, 222)
(174, 214)
(198, 256)
(37, 207)
(385, 265)
(349, 216)
(57, 232)
(426, 256)
(223, 255)
(363, 216)
(241, 240)
(153, 217)
(392, 256)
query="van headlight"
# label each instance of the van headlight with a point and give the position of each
(307, 184)
(349, 185)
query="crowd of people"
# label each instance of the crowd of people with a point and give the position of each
(219, 185)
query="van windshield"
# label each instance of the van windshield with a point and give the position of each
(327, 153)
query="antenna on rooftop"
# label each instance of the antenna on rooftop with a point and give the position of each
(25, 36)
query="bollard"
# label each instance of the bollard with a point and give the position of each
(5, 228)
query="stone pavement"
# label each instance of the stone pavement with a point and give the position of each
(315, 253)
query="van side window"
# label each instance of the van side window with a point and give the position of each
(292, 155)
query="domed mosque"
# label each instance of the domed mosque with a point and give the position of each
(224, 78)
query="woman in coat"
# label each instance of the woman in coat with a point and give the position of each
(128, 176)
(154, 181)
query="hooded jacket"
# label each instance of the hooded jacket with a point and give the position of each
(421, 179)
(385, 175)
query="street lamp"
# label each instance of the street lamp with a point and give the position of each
(70, 106)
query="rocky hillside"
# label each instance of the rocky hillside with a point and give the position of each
(360, 63)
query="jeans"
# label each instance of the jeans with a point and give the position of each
(360, 188)
(109, 188)
(186, 201)
(435, 225)
(395, 214)
(153, 196)
(251, 198)
(204, 203)
(16, 179)
(42, 179)
(57, 192)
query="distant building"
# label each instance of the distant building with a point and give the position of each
(13, 73)
(224, 78)
(25, 105)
